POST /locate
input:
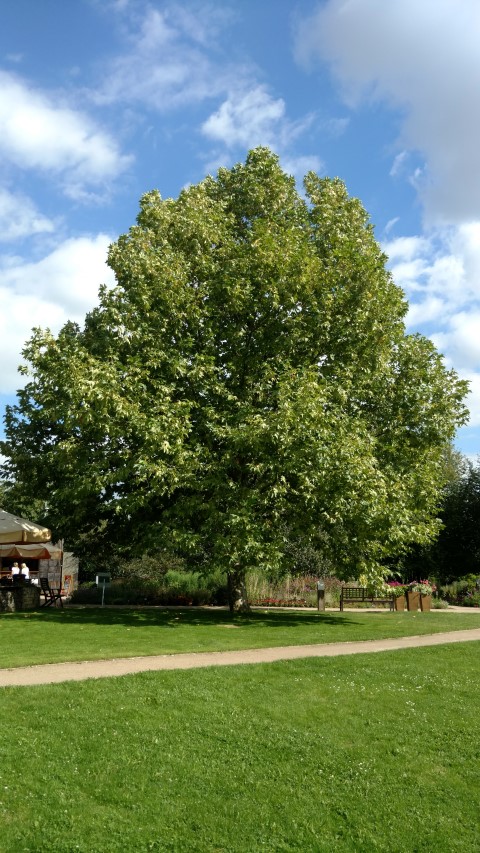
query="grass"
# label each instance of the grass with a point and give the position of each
(50, 636)
(369, 753)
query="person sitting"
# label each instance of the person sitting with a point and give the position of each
(15, 570)
(25, 571)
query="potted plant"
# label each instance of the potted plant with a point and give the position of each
(413, 596)
(398, 590)
(426, 589)
(420, 594)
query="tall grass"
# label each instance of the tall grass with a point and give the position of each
(290, 591)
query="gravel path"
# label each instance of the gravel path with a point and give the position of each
(57, 672)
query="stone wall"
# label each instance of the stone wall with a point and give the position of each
(15, 598)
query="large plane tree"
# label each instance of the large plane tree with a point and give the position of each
(249, 380)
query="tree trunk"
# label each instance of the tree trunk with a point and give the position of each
(237, 592)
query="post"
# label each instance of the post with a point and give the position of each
(320, 595)
(60, 586)
(102, 579)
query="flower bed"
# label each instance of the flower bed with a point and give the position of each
(280, 602)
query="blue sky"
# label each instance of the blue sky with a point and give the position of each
(103, 100)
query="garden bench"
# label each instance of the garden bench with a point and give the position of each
(361, 594)
(52, 594)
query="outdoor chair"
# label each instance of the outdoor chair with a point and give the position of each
(52, 594)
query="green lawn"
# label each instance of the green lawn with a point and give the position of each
(368, 753)
(50, 636)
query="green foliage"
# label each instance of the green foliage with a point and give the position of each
(249, 374)
(152, 567)
(173, 587)
(305, 556)
(464, 591)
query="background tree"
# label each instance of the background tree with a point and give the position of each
(456, 552)
(250, 373)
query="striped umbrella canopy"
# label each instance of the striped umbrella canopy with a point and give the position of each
(40, 551)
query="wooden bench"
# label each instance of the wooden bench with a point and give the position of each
(53, 595)
(361, 594)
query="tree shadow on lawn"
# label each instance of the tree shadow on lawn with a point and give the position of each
(171, 618)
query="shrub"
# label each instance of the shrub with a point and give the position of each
(472, 599)
(461, 592)
(439, 604)
(150, 566)
(174, 588)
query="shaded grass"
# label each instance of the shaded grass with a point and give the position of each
(50, 636)
(368, 753)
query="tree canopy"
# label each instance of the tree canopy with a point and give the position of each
(248, 380)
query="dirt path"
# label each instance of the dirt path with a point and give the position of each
(56, 672)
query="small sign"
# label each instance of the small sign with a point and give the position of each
(102, 579)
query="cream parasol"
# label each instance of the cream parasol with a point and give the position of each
(17, 531)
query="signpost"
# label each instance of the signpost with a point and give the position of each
(102, 579)
(320, 595)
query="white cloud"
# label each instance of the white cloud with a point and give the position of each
(430, 310)
(473, 399)
(19, 315)
(174, 58)
(168, 62)
(440, 273)
(20, 218)
(391, 225)
(410, 274)
(248, 119)
(405, 248)
(37, 134)
(61, 286)
(399, 163)
(253, 117)
(441, 277)
(462, 340)
(423, 58)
